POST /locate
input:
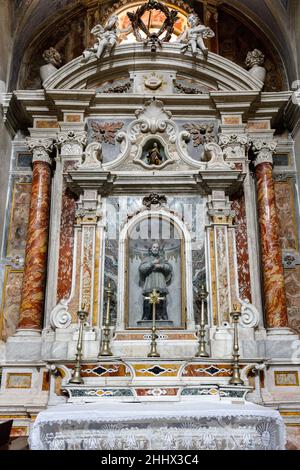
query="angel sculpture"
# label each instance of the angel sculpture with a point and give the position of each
(193, 36)
(107, 38)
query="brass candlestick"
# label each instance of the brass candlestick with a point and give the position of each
(105, 346)
(202, 343)
(154, 300)
(76, 376)
(236, 377)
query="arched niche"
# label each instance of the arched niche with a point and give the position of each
(136, 240)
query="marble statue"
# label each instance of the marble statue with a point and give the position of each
(254, 62)
(193, 36)
(154, 157)
(53, 61)
(155, 273)
(107, 39)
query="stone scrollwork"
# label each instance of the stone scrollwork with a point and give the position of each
(60, 317)
(216, 157)
(250, 315)
(92, 157)
(154, 199)
(263, 150)
(40, 148)
(153, 117)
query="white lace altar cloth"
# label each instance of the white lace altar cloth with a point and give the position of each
(158, 425)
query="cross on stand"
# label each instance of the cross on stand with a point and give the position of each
(154, 300)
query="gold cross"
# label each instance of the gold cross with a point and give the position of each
(154, 300)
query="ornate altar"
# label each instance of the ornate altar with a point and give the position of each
(152, 172)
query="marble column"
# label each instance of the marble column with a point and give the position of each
(273, 275)
(33, 290)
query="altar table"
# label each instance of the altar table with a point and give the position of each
(184, 425)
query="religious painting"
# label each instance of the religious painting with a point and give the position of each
(155, 251)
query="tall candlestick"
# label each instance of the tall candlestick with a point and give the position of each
(105, 349)
(76, 378)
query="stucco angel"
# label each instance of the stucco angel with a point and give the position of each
(193, 36)
(107, 38)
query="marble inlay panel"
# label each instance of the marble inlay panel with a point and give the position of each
(65, 266)
(74, 303)
(292, 284)
(11, 301)
(19, 218)
(222, 269)
(285, 204)
(15, 380)
(239, 207)
(87, 266)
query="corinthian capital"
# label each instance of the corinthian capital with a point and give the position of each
(71, 142)
(41, 149)
(233, 145)
(263, 151)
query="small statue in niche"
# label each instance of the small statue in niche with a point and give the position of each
(154, 156)
(155, 273)
(193, 36)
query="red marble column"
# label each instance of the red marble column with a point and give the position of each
(273, 274)
(33, 290)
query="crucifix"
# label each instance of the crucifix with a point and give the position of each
(154, 300)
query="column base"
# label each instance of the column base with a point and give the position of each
(279, 333)
(28, 332)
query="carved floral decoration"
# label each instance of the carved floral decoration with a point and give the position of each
(201, 133)
(105, 132)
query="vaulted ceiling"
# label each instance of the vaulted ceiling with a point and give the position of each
(271, 16)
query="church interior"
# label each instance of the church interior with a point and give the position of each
(150, 221)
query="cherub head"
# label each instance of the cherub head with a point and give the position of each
(193, 20)
(52, 56)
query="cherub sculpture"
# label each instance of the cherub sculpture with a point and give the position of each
(107, 39)
(193, 36)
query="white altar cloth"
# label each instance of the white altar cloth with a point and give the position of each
(158, 425)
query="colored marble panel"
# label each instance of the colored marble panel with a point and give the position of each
(65, 265)
(232, 268)
(105, 370)
(24, 160)
(156, 392)
(207, 370)
(87, 273)
(242, 254)
(19, 219)
(286, 214)
(293, 437)
(258, 125)
(156, 370)
(11, 302)
(288, 378)
(232, 120)
(33, 291)
(45, 124)
(222, 274)
(15, 380)
(292, 284)
(73, 118)
(19, 431)
(74, 303)
(273, 276)
(46, 382)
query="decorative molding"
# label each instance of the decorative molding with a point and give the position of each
(201, 133)
(105, 132)
(154, 200)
